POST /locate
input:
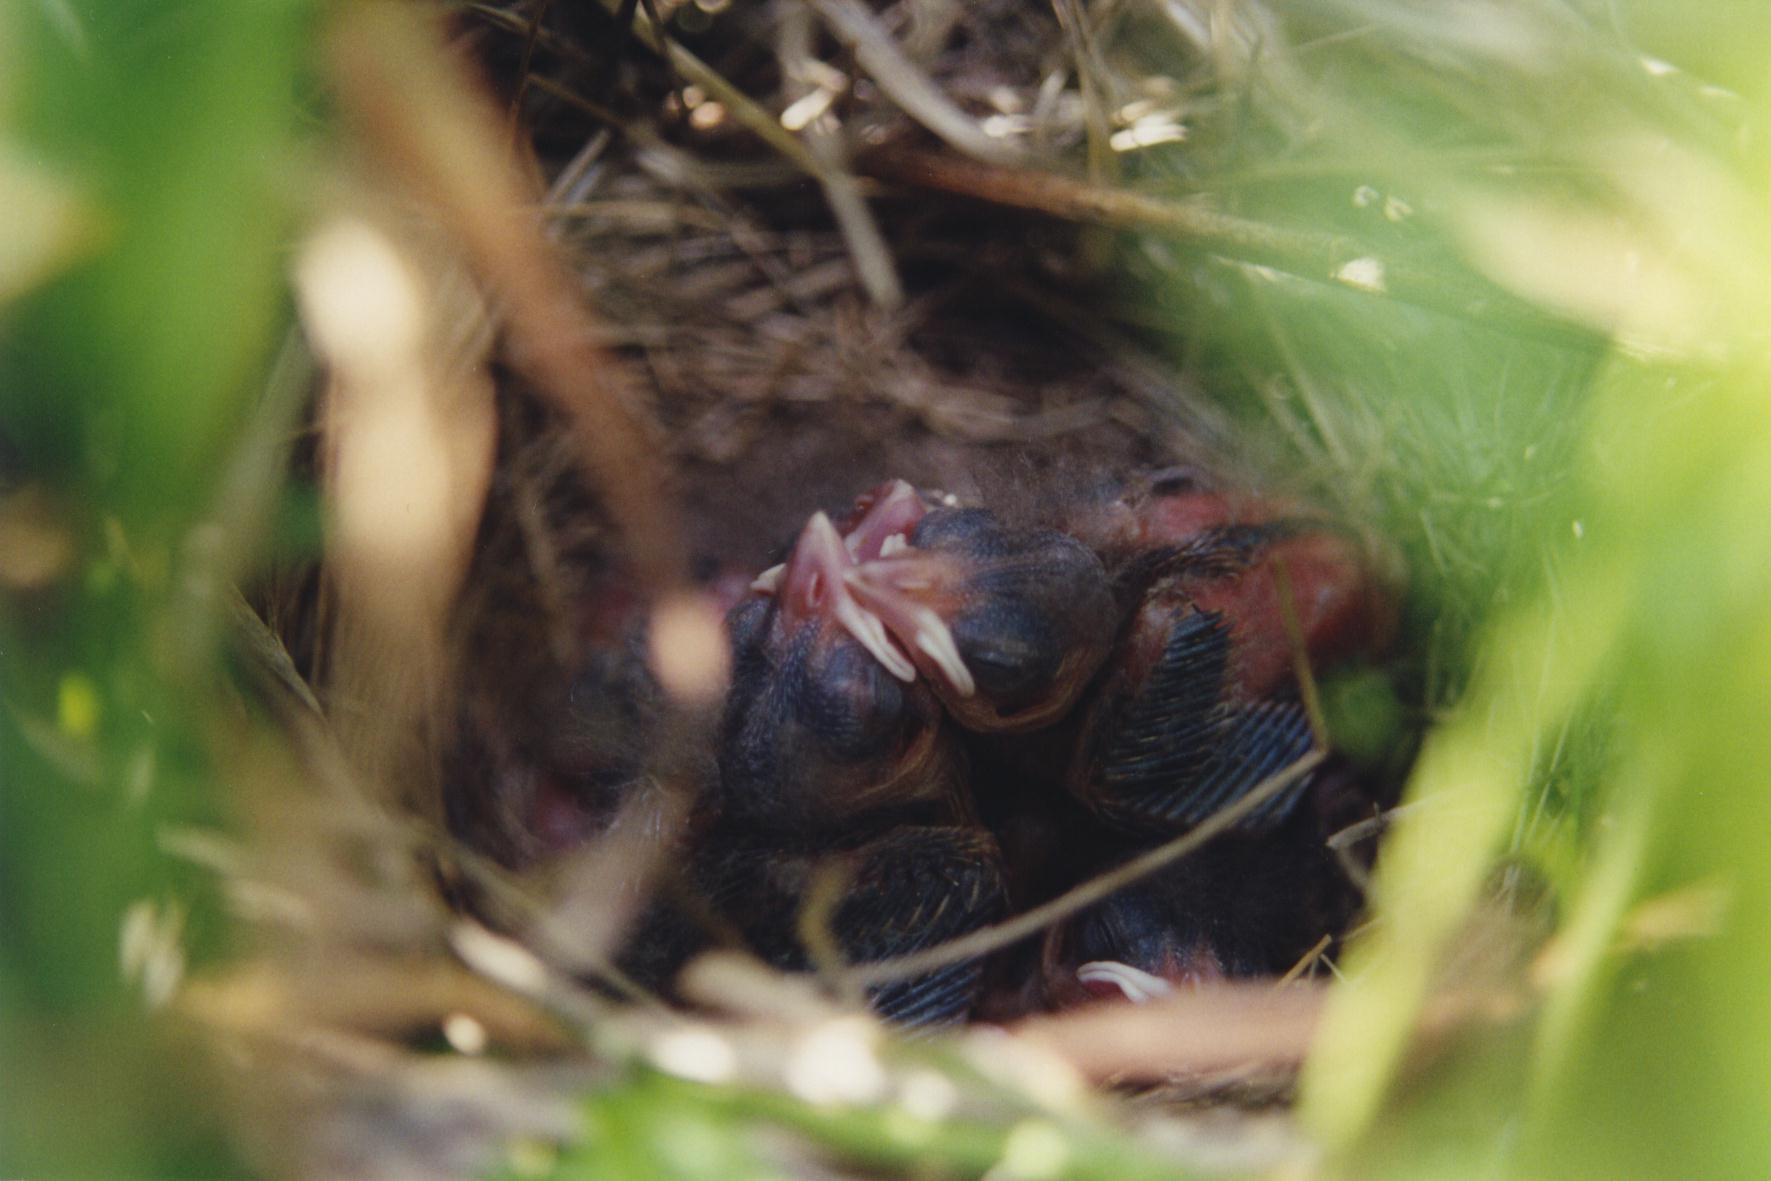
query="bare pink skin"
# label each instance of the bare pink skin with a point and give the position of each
(1318, 582)
(814, 588)
(819, 579)
(1320, 579)
(559, 819)
(912, 594)
(890, 510)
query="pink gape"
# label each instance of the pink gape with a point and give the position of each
(860, 578)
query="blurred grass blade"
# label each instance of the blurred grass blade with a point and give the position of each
(123, 376)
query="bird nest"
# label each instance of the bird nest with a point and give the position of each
(787, 255)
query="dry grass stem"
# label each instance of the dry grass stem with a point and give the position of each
(418, 107)
(867, 245)
(859, 30)
(1320, 257)
(1219, 1028)
(693, 70)
(407, 458)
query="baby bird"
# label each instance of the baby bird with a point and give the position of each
(921, 685)
(825, 720)
(1226, 600)
(1007, 624)
(834, 756)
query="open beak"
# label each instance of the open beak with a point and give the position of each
(888, 514)
(815, 579)
(881, 527)
(813, 585)
(891, 589)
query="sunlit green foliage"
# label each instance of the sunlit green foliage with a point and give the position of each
(1608, 737)
(657, 1126)
(1579, 500)
(126, 365)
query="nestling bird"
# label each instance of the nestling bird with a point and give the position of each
(825, 721)
(834, 757)
(1007, 624)
(1225, 600)
(953, 712)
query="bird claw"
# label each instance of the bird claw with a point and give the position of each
(1113, 977)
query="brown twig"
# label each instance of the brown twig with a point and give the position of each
(745, 110)
(1325, 258)
(417, 107)
(1305, 962)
